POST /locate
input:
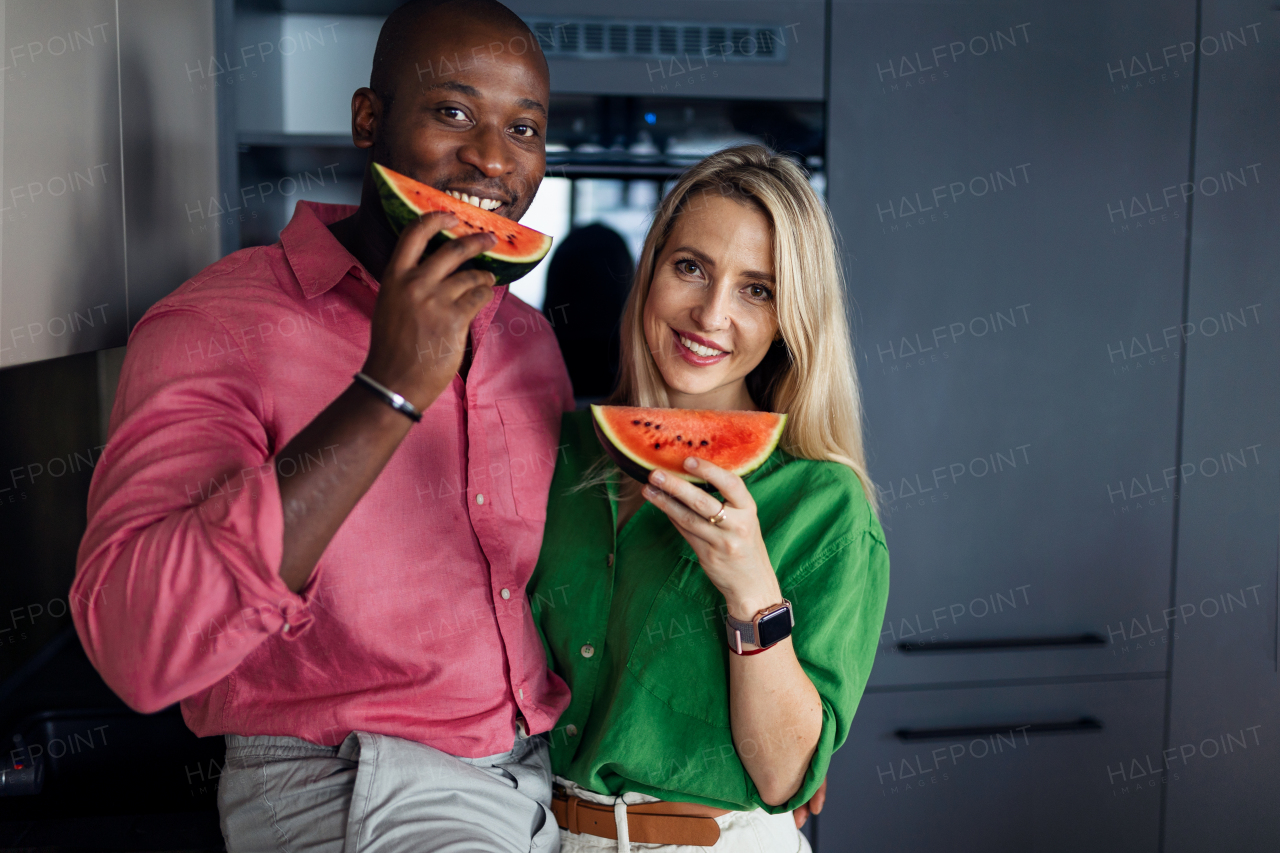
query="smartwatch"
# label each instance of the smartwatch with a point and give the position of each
(768, 628)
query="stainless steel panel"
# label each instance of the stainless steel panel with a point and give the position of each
(987, 166)
(800, 77)
(172, 199)
(1225, 661)
(1010, 789)
(62, 259)
(109, 168)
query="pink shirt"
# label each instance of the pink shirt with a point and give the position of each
(415, 622)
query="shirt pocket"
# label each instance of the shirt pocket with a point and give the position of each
(680, 655)
(531, 430)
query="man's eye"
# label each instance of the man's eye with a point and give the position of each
(525, 130)
(453, 112)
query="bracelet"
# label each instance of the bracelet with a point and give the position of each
(391, 398)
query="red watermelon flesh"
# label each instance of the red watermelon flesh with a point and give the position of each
(640, 440)
(518, 250)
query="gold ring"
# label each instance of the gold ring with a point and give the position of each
(719, 516)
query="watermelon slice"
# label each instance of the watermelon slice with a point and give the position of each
(519, 249)
(640, 440)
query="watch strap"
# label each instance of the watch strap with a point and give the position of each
(745, 631)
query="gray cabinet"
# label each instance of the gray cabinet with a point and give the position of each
(62, 263)
(1015, 256)
(1067, 767)
(108, 160)
(1062, 246)
(1225, 659)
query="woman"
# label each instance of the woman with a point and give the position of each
(673, 737)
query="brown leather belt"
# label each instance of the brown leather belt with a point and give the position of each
(647, 823)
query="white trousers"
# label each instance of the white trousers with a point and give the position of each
(741, 832)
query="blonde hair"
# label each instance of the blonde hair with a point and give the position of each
(810, 374)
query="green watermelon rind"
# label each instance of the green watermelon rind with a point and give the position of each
(400, 214)
(638, 468)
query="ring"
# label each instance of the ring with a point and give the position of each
(718, 517)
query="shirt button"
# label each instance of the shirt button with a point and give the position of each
(506, 593)
(571, 730)
(286, 627)
(608, 561)
(588, 650)
(480, 499)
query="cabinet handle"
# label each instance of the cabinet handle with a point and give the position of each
(996, 644)
(1083, 724)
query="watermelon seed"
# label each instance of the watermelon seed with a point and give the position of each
(636, 423)
(657, 426)
(679, 438)
(647, 423)
(691, 444)
(657, 445)
(704, 442)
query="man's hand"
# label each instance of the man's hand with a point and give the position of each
(418, 337)
(814, 806)
(423, 312)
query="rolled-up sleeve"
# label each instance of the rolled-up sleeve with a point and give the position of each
(177, 577)
(840, 598)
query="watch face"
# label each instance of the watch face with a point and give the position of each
(774, 627)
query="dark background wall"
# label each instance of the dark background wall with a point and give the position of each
(1062, 240)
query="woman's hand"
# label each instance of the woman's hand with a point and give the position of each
(813, 807)
(774, 710)
(732, 551)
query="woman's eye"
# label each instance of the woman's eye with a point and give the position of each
(687, 267)
(758, 291)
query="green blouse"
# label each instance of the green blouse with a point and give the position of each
(631, 622)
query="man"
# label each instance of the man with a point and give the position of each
(281, 548)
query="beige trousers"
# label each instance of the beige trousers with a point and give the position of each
(741, 832)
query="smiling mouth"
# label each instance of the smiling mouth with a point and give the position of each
(699, 349)
(695, 352)
(477, 201)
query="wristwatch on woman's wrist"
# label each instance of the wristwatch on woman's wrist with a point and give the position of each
(767, 628)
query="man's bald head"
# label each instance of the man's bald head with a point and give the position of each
(472, 91)
(421, 38)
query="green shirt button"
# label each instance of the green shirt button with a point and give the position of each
(571, 730)
(608, 561)
(588, 650)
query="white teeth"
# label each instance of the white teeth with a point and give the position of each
(476, 201)
(699, 348)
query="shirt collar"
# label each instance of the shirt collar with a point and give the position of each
(316, 257)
